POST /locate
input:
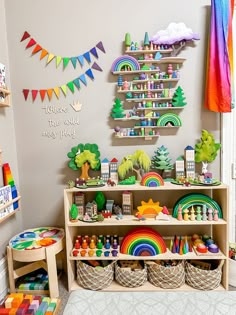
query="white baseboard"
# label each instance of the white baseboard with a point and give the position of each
(3, 278)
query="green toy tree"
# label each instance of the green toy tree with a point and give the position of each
(146, 41)
(84, 156)
(178, 99)
(127, 40)
(138, 162)
(161, 161)
(117, 110)
(74, 212)
(206, 150)
(100, 200)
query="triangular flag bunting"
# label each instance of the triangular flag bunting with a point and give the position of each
(95, 66)
(50, 58)
(49, 92)
(26, 93)
(73, 61)
(34, 94)
(100, 46)
(36, 49)
(76, 83)
(42, 94)
(57, 91)
(58, 60)
(83, 79)
(81, 60)
(31, 43)
(90, 74)
(43, 53)
(71, 86)
(87, 56)
(64, 89)
(65, 62)
(25, 36)
(94, 52)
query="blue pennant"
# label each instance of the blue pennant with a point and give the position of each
(83, 79)
(73, 61)
(76, 83)
(94, 52)
(87, 56)
(81, 60)
(90, 74)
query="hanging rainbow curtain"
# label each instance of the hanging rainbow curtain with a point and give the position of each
(219, 85)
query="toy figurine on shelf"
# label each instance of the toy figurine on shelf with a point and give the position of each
(180, 215)
(215, 216)
(186, 215)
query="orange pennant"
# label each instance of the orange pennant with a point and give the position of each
(36, 49)
(49, 92)
(43, 53)
(42, 94)
(57, 91)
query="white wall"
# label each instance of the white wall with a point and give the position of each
(7, 140)
(68, 28)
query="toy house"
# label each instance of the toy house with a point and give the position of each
(189, 154)
(179, 167)
(127, 202)
(105, 174)
(113, 170)
(79, 200)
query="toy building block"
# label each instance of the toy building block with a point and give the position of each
(127, 202)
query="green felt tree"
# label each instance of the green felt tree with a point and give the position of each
(138, 162)
(100, 200)
(178, 99)
(117, 110)
(84, 157)
(146, 41)
(206, 149)
(74, 212)
(161, 161)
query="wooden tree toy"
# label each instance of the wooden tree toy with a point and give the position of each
(178, 99)
(161, 161)
(117, 110)
(127, 41)
(146, 41)
(74, 212)
(206, 150)
(138, 162)
(84, 157)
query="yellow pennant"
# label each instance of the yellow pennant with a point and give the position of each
(57, 91)
(50, 58)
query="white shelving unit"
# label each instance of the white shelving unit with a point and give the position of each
(167, 195)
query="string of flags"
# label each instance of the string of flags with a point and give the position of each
(80, 58)
(63, 88)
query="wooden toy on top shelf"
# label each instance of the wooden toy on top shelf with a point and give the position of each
(4, 97)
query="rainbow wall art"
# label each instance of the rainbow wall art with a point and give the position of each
(143, 241)
(152, 179)
(125, 63)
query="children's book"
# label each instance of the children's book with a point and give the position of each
(5, 197)
(2, 75)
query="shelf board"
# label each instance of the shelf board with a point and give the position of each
(115, 287)
(148, 51)
(130, 220)
(162, 60)
(147, 137)
(148, 99)
(9, 215)
(141, 91)
(154, 80)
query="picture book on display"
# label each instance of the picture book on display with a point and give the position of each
(5, 197)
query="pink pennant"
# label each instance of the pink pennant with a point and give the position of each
(25, 36)
(26, 93)
(34, 94)
(31, 43)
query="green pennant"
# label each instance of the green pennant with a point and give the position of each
(58, 60)
(64, 89)
(76, 83)
(65, 62)
(71, 86)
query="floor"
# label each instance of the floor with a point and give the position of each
(64, 294)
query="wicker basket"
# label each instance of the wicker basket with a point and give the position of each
(166, 277)
(203, 279)
(93, 278)
(130, 278)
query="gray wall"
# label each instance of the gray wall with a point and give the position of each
(70, 28)
(9, 227)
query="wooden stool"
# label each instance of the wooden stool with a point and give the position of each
(38, 248)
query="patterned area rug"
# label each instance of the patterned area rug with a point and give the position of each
(149, 303)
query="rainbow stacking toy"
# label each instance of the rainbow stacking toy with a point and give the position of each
(143, 241)
(152, 179)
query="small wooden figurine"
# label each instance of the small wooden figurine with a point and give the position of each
(210, 214)
(186, 216)
(215, 217)
(180, 216)
(199, 216)
(192, 214)
(204, 213)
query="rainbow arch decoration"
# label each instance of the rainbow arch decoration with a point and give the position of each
(143, 241)
(125, 63)
(196, 199)
(169, 119)
(152, 179)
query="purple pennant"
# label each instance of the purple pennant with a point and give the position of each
(100, 46)
(90, 74)
(94, 52)
(81, 60)
(95, 66)
(83, 79)
(87, 56)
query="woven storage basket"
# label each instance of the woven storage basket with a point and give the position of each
(92, 278)
(166, 277)
(130, 278)
(203, 279)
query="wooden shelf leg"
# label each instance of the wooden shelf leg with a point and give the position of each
(10, 270)
(52, 272)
